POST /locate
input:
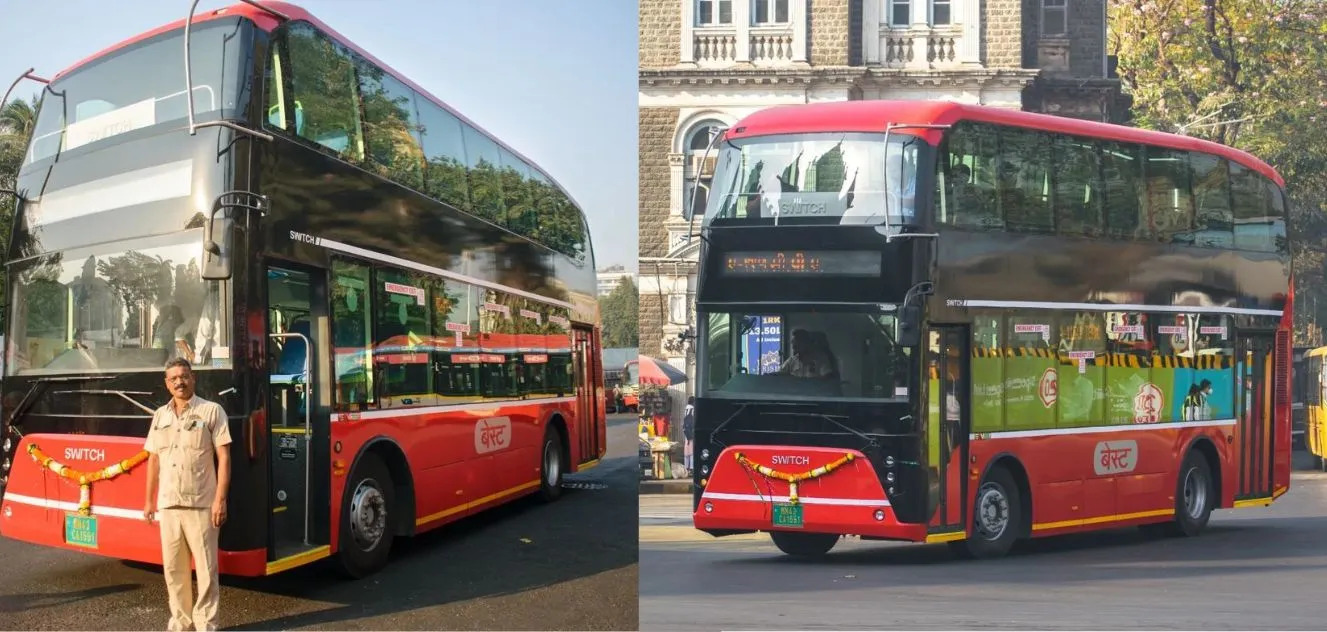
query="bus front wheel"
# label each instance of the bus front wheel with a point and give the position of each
(366, 514)
(804, 544)
(997, 517)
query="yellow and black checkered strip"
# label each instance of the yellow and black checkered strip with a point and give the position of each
(1117, 360)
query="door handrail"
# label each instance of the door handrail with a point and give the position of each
(308, 420)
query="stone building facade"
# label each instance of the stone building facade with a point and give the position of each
(707, 63)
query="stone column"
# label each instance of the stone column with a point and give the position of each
(742, 37)
(920, 29)
(797, 14)
(688, 39)
(968, 13)
(871, 12)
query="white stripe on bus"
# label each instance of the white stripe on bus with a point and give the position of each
(157, 183)
(1114, 307)
(474, 407)
(97, 510)
(1171, 425)
(803, 500)
(455, 276)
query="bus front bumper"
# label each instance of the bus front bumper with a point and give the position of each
(111, 532)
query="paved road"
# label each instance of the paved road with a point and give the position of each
(1254, 569)
(568, 565)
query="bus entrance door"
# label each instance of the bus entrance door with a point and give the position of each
(298, 433)
(587, 404)
(1254, 405)
(947, 432)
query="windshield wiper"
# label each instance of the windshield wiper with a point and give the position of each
(34, 392)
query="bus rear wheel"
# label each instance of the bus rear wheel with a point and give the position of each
(997, 518)
(366, 515)
(1194, 495)
(804, 544)
(551, 463)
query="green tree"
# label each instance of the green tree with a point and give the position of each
(620, 313)
(17, 119)
(1251, 74)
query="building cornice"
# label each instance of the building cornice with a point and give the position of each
(749, 76)
(952, 77)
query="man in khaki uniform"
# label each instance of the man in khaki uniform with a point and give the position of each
(186, 435)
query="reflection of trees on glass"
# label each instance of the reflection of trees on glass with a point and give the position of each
(141, 282)
(389, 127)
(350, 334)
(446, 176)
(323, 83)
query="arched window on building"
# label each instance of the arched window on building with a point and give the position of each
(698, 161)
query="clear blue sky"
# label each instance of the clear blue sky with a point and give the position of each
(555, 80)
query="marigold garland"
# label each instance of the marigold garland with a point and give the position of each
(85, 479)
(794, 479)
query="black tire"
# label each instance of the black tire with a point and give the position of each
(804, 544)
(997, 518)
(1194, 496)
(372, 494)
(552, 463)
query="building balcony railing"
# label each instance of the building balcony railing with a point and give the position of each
(760, 45)
(921, 47)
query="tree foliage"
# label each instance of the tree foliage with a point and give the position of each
(17, 119)
(1251, 74)
(620, 315)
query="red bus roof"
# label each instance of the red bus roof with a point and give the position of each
(872, 116)
(268, 22)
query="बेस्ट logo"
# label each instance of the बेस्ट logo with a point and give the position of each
(1147, 404)
(492, 434)
(1048, 389)
(1115, 457)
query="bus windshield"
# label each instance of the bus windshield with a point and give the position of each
(804, 355)
(143, 86)
(126, 306)
(840, 178)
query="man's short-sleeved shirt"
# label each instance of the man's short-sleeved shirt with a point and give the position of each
(185, 445)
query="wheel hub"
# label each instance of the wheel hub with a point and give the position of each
(552, 464)
(1195, 493)
(368, 515)
(992, 512)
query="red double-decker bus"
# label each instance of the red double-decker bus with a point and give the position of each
(935, 322)
(396, 309)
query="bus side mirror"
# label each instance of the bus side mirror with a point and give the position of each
(909, 326)
(217, 253)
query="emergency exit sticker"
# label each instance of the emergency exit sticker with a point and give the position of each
(1033, 328)
(1082, 357)
(397, 288)
(1212, 331)
(1171, 330)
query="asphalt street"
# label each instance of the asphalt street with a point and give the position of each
(567, 565)
(1256, 568)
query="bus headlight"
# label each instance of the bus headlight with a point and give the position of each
(889, 461)
(705, 454)
(6, 444)
(709, 507)
(705, 470)
(879, 514)
(4, 466)
(889, 477)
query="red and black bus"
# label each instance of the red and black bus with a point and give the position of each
(936, 322)
(396, 309)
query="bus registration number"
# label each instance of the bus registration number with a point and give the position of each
(81, 530)
(787, 515)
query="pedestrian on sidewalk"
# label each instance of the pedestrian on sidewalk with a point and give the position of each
(689, 429)
(188, 480)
